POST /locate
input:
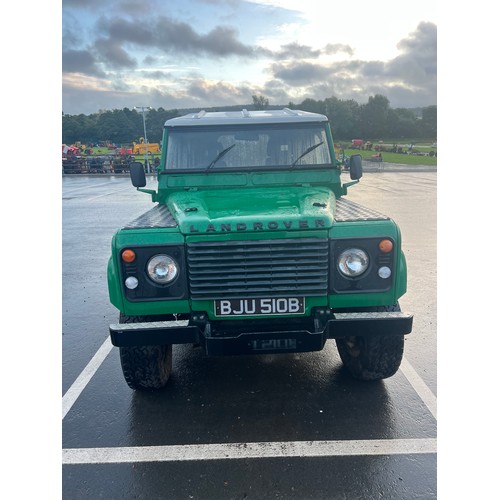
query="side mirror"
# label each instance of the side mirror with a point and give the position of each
(137, 174)
(355, 167)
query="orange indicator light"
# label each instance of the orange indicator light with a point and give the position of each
(128, 255)
(385, 246)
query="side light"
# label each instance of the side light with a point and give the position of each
(385, 246)
(384, 272)
(128, 255)
(131, 282)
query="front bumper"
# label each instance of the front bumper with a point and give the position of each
(254, 340)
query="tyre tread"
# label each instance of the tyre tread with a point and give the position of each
(145, 367)
(379, 357)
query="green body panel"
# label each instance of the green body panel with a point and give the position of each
(213, 179)
(239, 210)
(375, 299)
(154, 236)
(114, 284)
(156, 307)
(139, 308)
(257, 235)
(138, 237)
(367, 229)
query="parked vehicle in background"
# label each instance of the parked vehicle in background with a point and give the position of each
(142, 148)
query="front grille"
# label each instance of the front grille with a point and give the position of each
(269, 268)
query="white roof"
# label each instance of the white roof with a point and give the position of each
(245, 117)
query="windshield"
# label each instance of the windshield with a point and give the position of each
(221, 147)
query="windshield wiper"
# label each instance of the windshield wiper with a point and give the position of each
(220, 155)
(306, 152)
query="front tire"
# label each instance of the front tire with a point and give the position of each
(145, 367)
(372, 357)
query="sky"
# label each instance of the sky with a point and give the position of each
(204, 53)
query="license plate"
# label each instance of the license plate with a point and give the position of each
(274, 345)
(254, 307)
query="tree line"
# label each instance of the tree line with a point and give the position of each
(375, 120)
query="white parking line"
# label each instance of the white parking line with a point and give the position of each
(425, 394)
(234, 451)
(243, 450)
(83, 379)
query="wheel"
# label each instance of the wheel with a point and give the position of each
(372, 357)
(145, 367)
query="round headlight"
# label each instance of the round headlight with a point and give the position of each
(162, 269)
(353, 262)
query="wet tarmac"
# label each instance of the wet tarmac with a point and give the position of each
(275, 426)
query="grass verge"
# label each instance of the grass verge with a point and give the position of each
(403, 159)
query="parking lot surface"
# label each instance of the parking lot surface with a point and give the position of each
(273, 426)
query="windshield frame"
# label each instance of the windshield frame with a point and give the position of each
(319, 131)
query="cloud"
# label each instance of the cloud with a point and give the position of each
(80, 61)
(418, 61)
(119, 37)
(296, 51)
(195, 93)
(410, 77)
(335, 48)
(96, 99)
(275, 91)
(232, 3)
(206, 91)
(300, 73)
(174, 37)
(121, 30)
(113, 54)
(157, 75)
(222, 41)
(117, 6)
(422, 41)
(85, 4)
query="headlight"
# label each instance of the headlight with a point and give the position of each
(162, 269)
(353, 262)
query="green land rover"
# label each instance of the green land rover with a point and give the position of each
(252, 247)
